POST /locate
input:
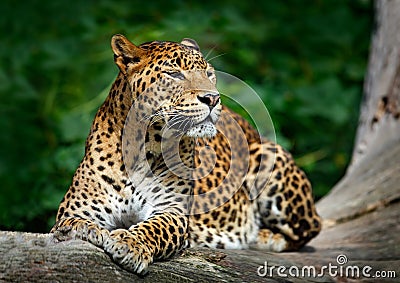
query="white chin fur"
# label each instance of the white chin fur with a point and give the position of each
(204, 130)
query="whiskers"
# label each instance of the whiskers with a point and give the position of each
(216, 56)
(172, 119)
(209, 53)
(180, 124)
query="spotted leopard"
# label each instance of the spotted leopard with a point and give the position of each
(166, 166)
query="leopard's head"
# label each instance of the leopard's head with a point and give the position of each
(174, 82)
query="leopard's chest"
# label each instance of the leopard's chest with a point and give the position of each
(142, 198)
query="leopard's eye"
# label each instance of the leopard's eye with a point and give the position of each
(175, 75)
(211, 76)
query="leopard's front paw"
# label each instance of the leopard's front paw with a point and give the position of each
(73, 228)
(63, 233)
(126, 250)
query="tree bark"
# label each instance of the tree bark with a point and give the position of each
(361, 214)
(379, 125)
(372, 179)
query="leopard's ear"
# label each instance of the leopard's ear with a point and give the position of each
(127, 55)
(191, 43)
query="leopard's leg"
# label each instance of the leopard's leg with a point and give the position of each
(268, 240)
(79, 228)
(285, 206)
(158, 237)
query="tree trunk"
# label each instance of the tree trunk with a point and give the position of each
(372, 179)
(379, 126)
(361, 214)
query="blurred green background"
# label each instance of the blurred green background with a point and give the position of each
(306, 59)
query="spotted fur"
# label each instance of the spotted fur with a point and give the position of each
(155, 175)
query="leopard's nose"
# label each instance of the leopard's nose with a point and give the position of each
(210, 99)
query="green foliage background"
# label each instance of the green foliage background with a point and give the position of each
(306, 59)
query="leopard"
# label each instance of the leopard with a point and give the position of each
(167, 167)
